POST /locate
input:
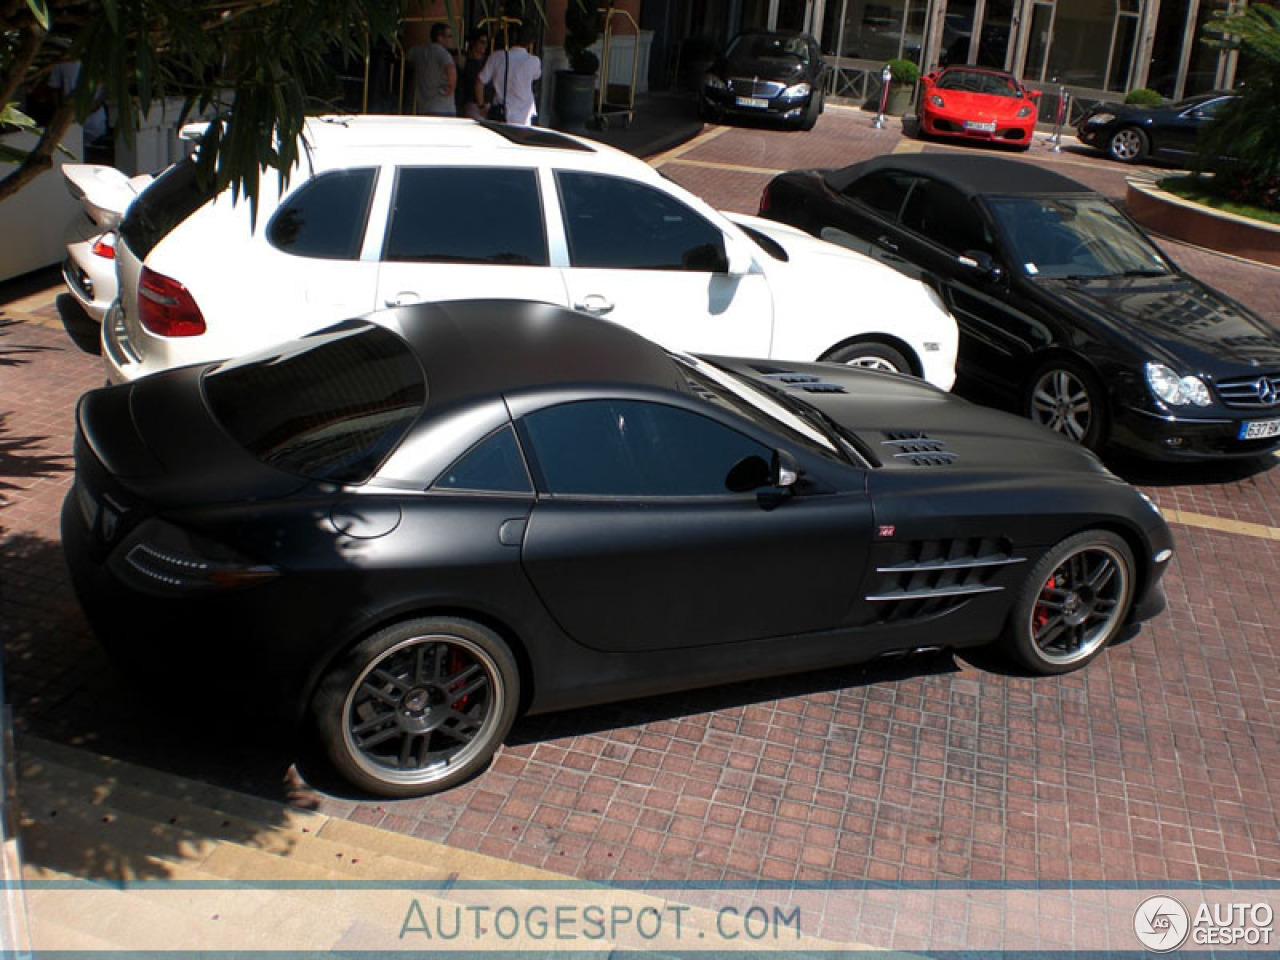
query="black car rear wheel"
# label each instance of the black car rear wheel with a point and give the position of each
(1074, 602)
(1068, 401)
(1128, 145)
(874, 356)
(418, 707)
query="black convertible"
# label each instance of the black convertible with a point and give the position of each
(1068, 313)
(412, 529)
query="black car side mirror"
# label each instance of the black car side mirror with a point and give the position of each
(773, 481)
(981, 263)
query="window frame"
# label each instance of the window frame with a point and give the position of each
(284, 205)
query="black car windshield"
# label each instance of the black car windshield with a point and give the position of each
(329, 407)
(755, 47)
(773, 410)
(1074, 236)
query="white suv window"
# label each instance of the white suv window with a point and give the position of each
(325, 218)
(467, 215)
(613, 223)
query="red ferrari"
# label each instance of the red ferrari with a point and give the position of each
(979, 104)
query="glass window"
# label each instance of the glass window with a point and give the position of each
(628, 448)
(945, 217)
(493, 465)
(467, 215)
(325, 218)
(331, 406)
(881, 191)
(619, 224)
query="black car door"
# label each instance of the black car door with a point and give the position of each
(636, 544)
(1181, 134)
(949, 237)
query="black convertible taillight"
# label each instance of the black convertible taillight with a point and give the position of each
(161, 558)
(766, 201)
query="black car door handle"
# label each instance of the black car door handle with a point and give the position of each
(884, 241)
(511, 532)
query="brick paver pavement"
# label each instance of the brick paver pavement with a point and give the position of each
(1157, 762)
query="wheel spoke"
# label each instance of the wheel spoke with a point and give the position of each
(379, 694)
(383, 736)
(406, 749)
(1049, 631)
(389, 679)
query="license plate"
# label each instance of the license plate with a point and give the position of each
(757, 102)
(977, 127)
(1259, 430)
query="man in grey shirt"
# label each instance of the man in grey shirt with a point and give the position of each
(435, 73)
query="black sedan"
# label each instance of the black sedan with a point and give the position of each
(767, 74)
(410, 530)
(1132, 132)
(1068, 313)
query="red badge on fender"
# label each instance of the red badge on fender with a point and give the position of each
(887, 531)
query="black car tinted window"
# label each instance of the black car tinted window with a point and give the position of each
(325, 218)
(493, 465)
(329, 407)
(946, 217)
(175, 195)
(619, 224)
(881, 191)
(467, 215)
(631, 448)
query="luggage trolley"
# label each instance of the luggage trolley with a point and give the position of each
(605, 107)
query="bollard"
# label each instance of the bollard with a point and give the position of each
(1063, 99)
(886, 76)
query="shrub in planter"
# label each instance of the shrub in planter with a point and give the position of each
(1143, 97)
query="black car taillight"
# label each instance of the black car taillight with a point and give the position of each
(161, 558)
(766, 201)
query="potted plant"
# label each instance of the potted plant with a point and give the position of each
(903, 76)
(575, 87)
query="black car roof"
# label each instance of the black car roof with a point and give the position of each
(473, 348)
(971, 175)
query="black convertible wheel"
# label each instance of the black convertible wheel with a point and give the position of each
(1067, 401)
(873, 356)
(418, 707)
(1128, 145)
(1073, 604)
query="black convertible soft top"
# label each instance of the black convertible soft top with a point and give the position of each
(971, 175)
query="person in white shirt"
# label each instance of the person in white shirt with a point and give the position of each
(512, 73)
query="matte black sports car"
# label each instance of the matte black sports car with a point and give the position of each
(1068, 313)
(1130, 133)
(778, 75)
(415, 528)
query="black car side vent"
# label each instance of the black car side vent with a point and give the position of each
(918, 449)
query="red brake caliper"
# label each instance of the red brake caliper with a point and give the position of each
(1041, 615)
(456, 663)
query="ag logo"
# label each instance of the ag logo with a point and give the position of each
(1161, 923)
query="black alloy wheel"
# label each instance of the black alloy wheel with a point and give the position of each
(418, 707)
(1074, 602)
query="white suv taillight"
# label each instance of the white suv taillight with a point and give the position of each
(166, 308)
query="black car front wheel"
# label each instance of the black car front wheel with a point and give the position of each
(874, 356)
(1128, 145)
(1075, 601)
(418, 707)
(1068, 400)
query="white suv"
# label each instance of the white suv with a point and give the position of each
(392, 210)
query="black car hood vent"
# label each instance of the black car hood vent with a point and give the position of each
(918, 448)
(806, 381)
